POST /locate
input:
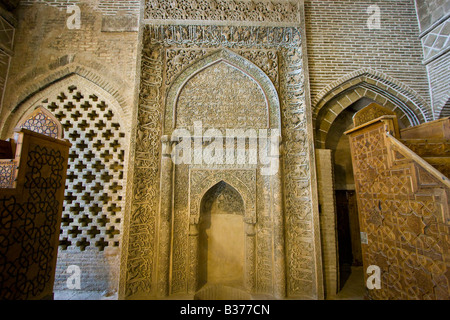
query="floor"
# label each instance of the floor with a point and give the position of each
(82, 295)
(354, 286)
(352, 290)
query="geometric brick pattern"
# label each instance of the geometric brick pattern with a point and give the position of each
(407, 226)
(436, 41)
(92, 213)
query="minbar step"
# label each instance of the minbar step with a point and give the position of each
(428, 148)
(442, 164)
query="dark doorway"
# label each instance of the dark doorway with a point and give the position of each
(348, 234)
(347, 221)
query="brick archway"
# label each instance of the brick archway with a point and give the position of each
(387, 92)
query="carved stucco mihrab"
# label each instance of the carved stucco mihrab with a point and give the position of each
(280, 228)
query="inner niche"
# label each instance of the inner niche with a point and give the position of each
(221, 239)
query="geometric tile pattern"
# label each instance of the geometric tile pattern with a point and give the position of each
(437, 40)
(92, 213)
(408, 229)
(42, 123)
(7, 173)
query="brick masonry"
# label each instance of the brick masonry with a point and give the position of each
(434, 21)
(324, 159)
(46, 50)
(340, 42)
(430, 11)
(108, 7)
(438, 71)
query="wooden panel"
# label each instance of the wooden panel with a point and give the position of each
(30, 216)
(407, 224)
(439, 129)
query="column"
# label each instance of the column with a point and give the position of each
(166, 187)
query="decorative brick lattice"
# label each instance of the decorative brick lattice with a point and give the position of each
(436, 41)
(92, 213)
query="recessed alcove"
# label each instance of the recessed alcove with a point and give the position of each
(222, 238)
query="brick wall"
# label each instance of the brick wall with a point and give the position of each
(46, 50)
(434, 21)
(340, 42)
(109, 7)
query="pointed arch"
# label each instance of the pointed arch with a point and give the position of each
(97, 127)
(37, 99)
(236, 61)
(241, 189)
(202, 181)
(410, 109)
(382, 84)
(39, 79)
(222, 186)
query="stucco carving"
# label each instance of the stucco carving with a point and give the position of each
(238, 62)
(239, 37)
(244, 181)
(138, 270)
(222, 89)
(269, 57)
(222, 10)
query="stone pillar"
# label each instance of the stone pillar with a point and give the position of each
(250, 259)
(193, 257)
(166, 187)
(278, 230)
(328, 223)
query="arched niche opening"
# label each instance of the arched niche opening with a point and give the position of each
(347, 224)
(222, 238)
